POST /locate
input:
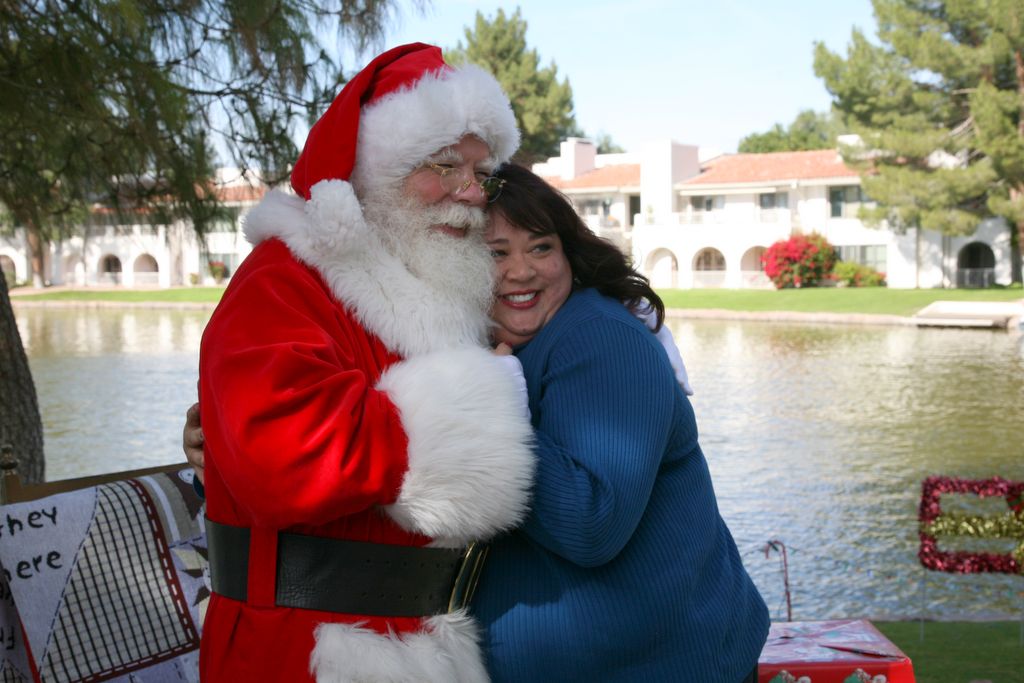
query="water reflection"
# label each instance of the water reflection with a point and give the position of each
(818, 436)
(113, 384)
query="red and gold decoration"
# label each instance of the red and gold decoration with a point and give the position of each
(935, 523)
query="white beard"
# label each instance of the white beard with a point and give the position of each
(457, 269)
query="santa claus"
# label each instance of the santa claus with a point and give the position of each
(361, 439)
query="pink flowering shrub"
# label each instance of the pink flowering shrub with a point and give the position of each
(800, 261)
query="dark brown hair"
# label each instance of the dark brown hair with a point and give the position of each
(527, 201)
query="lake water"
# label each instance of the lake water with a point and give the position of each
(817, 436)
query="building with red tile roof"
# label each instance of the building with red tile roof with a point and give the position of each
(741, 169)
(142, 249)
(687, 220)
(690, 221)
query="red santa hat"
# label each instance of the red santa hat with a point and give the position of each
(403, 107)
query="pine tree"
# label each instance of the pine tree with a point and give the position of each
(809, 130)
(939, 105)
(119, 103)
(606, 145)
(542, 104)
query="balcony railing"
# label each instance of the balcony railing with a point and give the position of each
(698, 217)
(755, 279)
(975, 278)
(775, 215)
(146, 279)
(109, 278)
(783, 219)
(708, 279)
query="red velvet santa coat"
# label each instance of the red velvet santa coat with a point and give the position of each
(341, 397)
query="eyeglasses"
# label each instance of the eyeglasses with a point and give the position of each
(456, 180)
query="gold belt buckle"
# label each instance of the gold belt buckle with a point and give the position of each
(468, 576)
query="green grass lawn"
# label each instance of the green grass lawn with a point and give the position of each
(877, 300)
(960, 652)
(174, 294)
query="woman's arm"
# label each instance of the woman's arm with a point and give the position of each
(603, 421)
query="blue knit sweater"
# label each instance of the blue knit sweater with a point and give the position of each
(624, 571)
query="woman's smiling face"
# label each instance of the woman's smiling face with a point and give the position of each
(534, 279)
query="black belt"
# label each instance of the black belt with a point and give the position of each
(349, 577)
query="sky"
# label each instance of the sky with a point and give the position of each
(704, 72)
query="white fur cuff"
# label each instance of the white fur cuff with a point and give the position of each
(470, 459)
(446, 651)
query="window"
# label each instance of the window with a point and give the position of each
(770, 204)
(595, 207)
(230, 262)
(701, 208)
(845, 201)
(774, 200)
(871, 255)
(708, 203)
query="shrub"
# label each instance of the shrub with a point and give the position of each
(218, 270)
(800, 261)
(853, 274)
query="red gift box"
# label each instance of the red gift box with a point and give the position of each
(840, 651)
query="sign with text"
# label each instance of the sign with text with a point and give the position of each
(107, 582)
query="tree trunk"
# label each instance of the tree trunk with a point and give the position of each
(37, 259)
(20, 425)
(1016, 232)
(1016, 235)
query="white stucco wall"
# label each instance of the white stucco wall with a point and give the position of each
(663, 164)
(736, 228)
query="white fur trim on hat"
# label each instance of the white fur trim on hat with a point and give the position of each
(447, 650)
(470, 459)
(401, 130)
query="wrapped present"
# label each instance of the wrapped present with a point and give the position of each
(840, 651)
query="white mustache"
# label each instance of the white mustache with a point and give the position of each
(456, 215)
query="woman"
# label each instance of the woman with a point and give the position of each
(624, 570)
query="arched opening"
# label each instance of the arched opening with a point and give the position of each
(752, 268)
(110, 270)
(708, 268)
(9, 270)
(146, 272)
(975, 266)
(663, 269)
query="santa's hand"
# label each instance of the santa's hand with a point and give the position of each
(192, 441)
(502, 349)
(514, 369)
(650, 318)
